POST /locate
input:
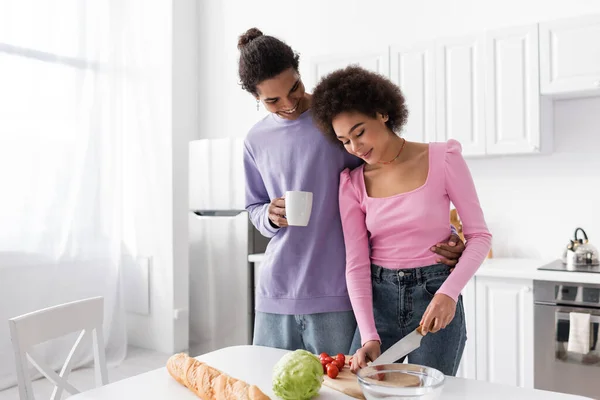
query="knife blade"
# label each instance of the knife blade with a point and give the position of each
(402, 347)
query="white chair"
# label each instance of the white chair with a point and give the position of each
(49, 323)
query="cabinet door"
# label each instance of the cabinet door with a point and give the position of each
(505, 331)
(378, 61)
(512, 91)
(570, 56)
(412, 68)
(460, 108)
(468, 367)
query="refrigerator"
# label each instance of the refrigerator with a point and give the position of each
(221, 237)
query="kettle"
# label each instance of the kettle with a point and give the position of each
(579, 253)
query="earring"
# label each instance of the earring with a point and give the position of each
(257, 104)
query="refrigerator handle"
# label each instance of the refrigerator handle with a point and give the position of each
(225, 214)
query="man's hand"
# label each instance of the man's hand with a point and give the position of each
(450, 251)
(277, 212)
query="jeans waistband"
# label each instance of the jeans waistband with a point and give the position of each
(417, 275)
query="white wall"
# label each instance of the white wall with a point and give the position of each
(165, 229)
(527, 220)
(155, 222)
(534, 203)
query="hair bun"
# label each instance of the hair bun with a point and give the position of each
(249, 36)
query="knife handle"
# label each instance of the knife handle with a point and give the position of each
(420, 328)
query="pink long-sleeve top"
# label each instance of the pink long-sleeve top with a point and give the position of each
(397, 232)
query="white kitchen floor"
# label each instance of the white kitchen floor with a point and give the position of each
(138, 361)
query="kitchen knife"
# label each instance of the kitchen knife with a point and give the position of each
(401, 348)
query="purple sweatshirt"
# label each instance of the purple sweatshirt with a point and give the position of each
(303, 271)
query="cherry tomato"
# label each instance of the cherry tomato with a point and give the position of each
(327, 360)
(337, 364)
(341, 359)
(323, 355)
(332, 370)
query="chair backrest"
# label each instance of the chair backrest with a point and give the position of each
(40, 326)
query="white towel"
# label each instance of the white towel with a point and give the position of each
(579, 333)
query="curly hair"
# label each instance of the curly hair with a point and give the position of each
(356, 89)
(263, 57)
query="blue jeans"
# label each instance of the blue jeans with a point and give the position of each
(324, 332)
(400, 298)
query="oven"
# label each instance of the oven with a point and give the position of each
(557, 369)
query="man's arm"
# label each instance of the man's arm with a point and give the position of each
(257, 197)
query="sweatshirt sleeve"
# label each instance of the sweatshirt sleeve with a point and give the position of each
(461, 191)
(358, 261)
(453, 230)
(257, 198)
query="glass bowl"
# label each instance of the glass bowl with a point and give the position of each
(401, 381)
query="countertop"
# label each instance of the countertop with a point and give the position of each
(523, 268)
(516, 268)
(254, 365)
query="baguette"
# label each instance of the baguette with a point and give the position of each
(209, 383)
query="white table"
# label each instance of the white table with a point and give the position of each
(254, 364)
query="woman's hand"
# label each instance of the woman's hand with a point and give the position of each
(277, 212)
(369, 352)
(440, 313)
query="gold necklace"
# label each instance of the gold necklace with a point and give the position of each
(397, 155)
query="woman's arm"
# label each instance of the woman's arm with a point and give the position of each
(462, 193)
(358, 261)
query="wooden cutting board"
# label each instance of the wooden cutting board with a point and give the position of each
(347, 382)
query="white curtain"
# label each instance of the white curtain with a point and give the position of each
(79, 121)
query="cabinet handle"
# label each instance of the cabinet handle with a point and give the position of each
(527, 289)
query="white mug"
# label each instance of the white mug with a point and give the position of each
(298, 206)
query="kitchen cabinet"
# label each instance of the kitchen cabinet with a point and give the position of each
(504, 331)
(413, 69)
(514, 108)
(377, 61)
(488, 94)
(460, 92)
(487, 89)
(570, 56)
(481, 89)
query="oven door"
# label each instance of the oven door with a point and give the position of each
(556, 369)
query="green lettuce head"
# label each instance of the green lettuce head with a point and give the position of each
(297, 376)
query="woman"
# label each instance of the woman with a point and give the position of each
(302, 299)
(392, 208)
